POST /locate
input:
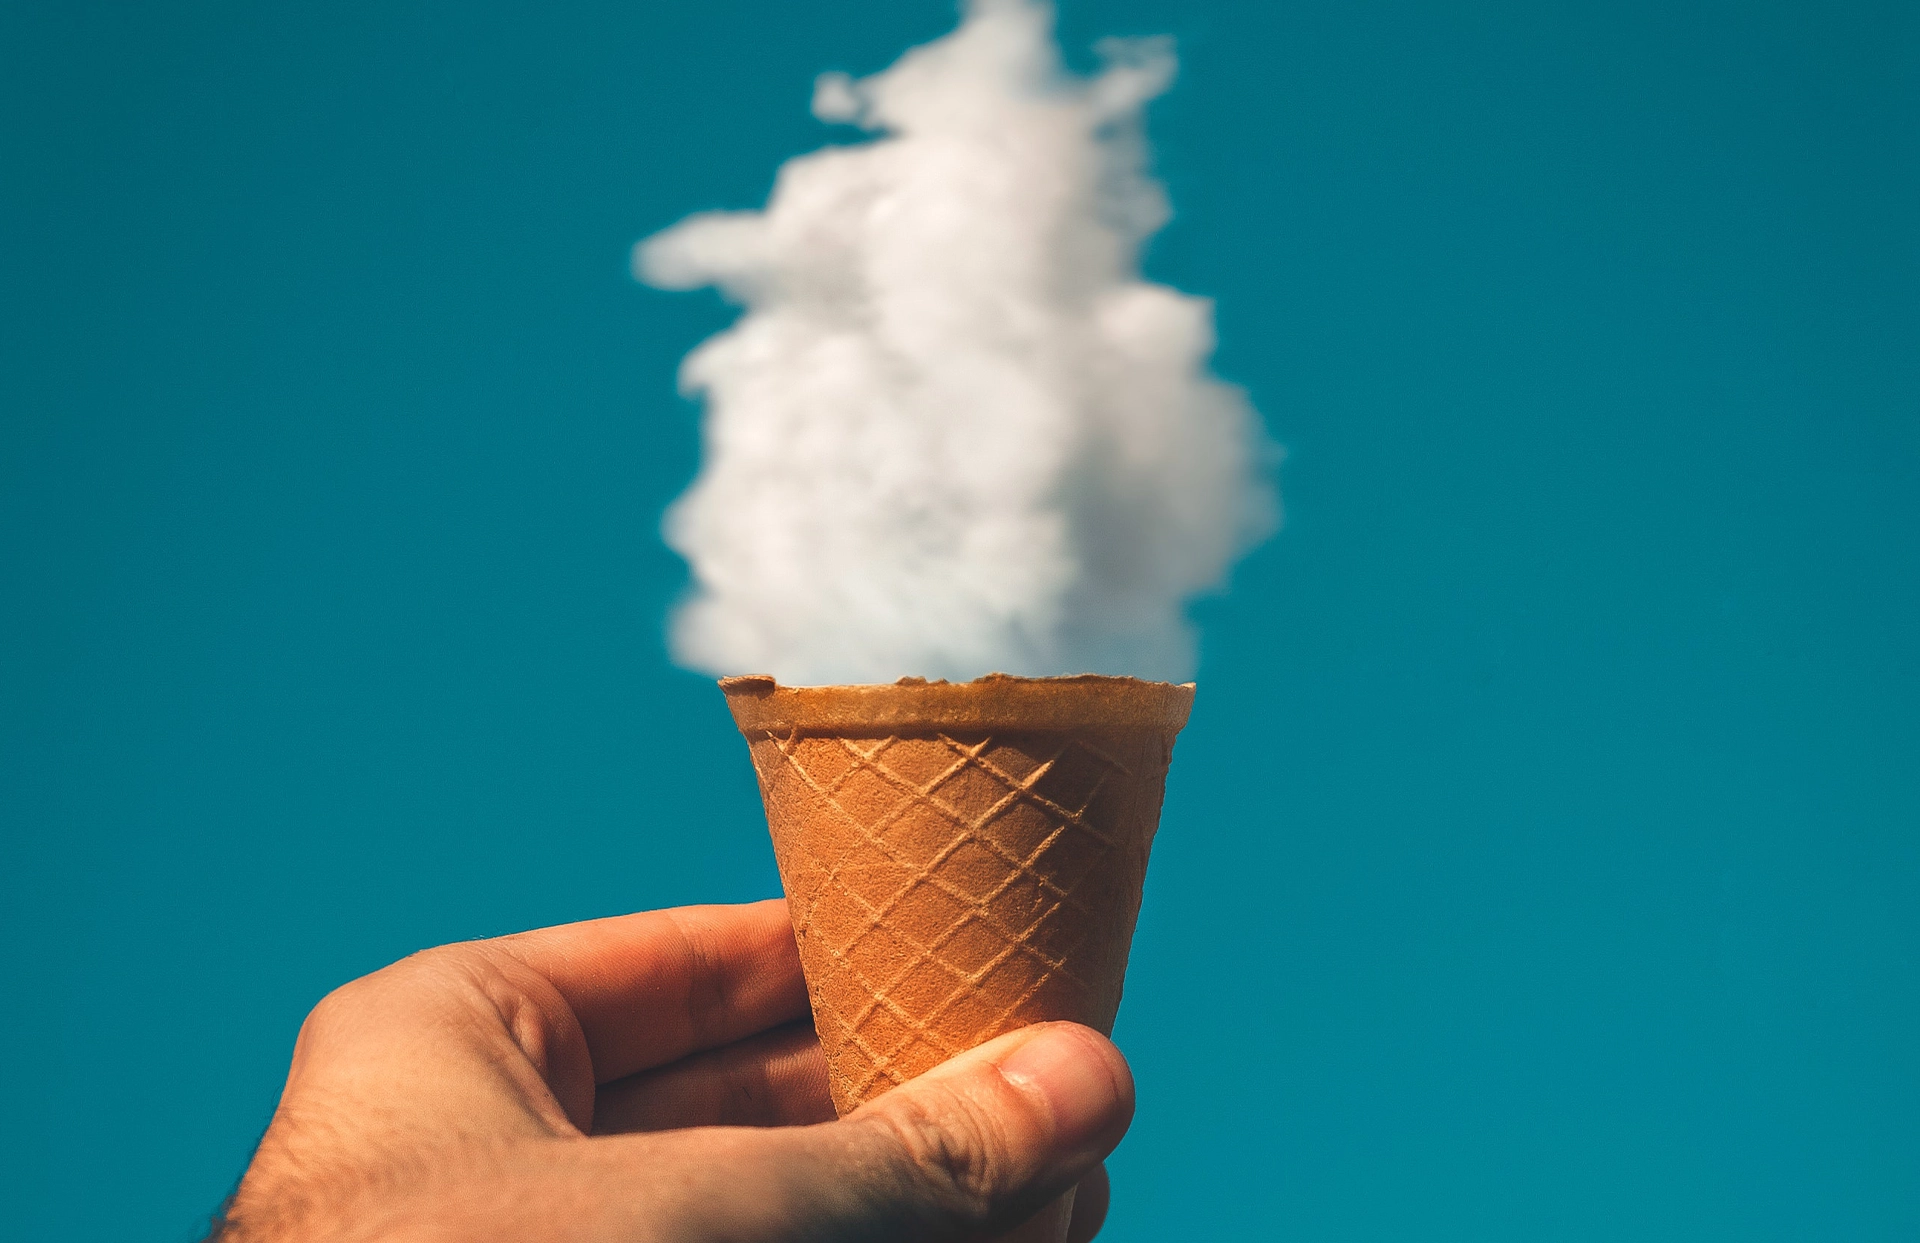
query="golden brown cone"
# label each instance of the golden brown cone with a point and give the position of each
(960, 859)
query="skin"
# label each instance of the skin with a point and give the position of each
(655, 1077)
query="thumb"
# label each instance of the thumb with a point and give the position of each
(967, 1150)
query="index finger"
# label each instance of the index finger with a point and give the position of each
(651, 988)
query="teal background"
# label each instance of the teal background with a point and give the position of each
(1543, 861)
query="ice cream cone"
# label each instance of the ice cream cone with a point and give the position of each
(960, 859)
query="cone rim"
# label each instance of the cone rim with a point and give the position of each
(1085, 701)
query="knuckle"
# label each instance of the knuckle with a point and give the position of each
(953, 1151)
(348, 1005)
(331, 1010)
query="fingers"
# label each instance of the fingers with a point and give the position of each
(1090, 1206)
(967, 1151)
(778, 1078)
(982, 1142)
(651, 988)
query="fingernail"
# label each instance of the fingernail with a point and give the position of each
(1072, 1077)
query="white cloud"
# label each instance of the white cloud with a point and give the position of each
(954, 431)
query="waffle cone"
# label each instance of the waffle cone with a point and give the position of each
(960, 859)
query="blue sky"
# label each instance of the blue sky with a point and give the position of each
(1543, 861)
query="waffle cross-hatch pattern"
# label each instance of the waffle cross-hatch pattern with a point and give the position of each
(946, 888)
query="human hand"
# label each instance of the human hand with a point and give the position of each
(655, 1077)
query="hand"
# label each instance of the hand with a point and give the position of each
(655, 1077)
